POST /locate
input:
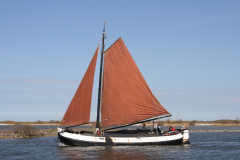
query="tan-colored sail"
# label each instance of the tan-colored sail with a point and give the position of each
(79, 109)
(126, 97)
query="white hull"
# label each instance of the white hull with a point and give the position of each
(94, 140)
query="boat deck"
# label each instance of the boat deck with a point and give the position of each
(127, 133)
(132, 135)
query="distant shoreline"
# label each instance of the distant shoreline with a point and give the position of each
(31, 124)
(11, 134)
(133, 125)
(185, 124)
(168, 122)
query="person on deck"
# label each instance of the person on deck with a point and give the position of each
(144, 127)
(173, 128)
(155, 127)
(170, 128)
(159, 130)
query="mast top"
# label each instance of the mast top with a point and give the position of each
(104, 29)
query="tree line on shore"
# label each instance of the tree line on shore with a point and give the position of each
(197, 122)
(160, 122)
(53, 122)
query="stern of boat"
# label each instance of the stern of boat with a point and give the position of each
(185, 133)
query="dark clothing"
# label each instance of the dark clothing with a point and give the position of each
(144, 127)
(159, 130)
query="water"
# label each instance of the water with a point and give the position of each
(204, 145)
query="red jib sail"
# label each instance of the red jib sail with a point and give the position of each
(79, 109)
(126, 97)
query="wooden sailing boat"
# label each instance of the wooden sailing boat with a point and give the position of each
(124, 98)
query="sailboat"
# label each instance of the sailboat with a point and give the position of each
(124, 99)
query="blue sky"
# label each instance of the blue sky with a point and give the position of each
(188, 52)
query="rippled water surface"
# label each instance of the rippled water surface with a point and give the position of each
(204, 145)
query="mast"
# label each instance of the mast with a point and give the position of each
(100, 80)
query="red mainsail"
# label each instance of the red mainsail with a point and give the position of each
(126, 97)
(79, 109)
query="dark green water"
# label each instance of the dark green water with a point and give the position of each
(204, 145)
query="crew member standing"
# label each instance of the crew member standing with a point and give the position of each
(155, 127)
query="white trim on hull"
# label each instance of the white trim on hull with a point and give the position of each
(94, 140)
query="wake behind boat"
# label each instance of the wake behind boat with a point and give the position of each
(124, 99)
